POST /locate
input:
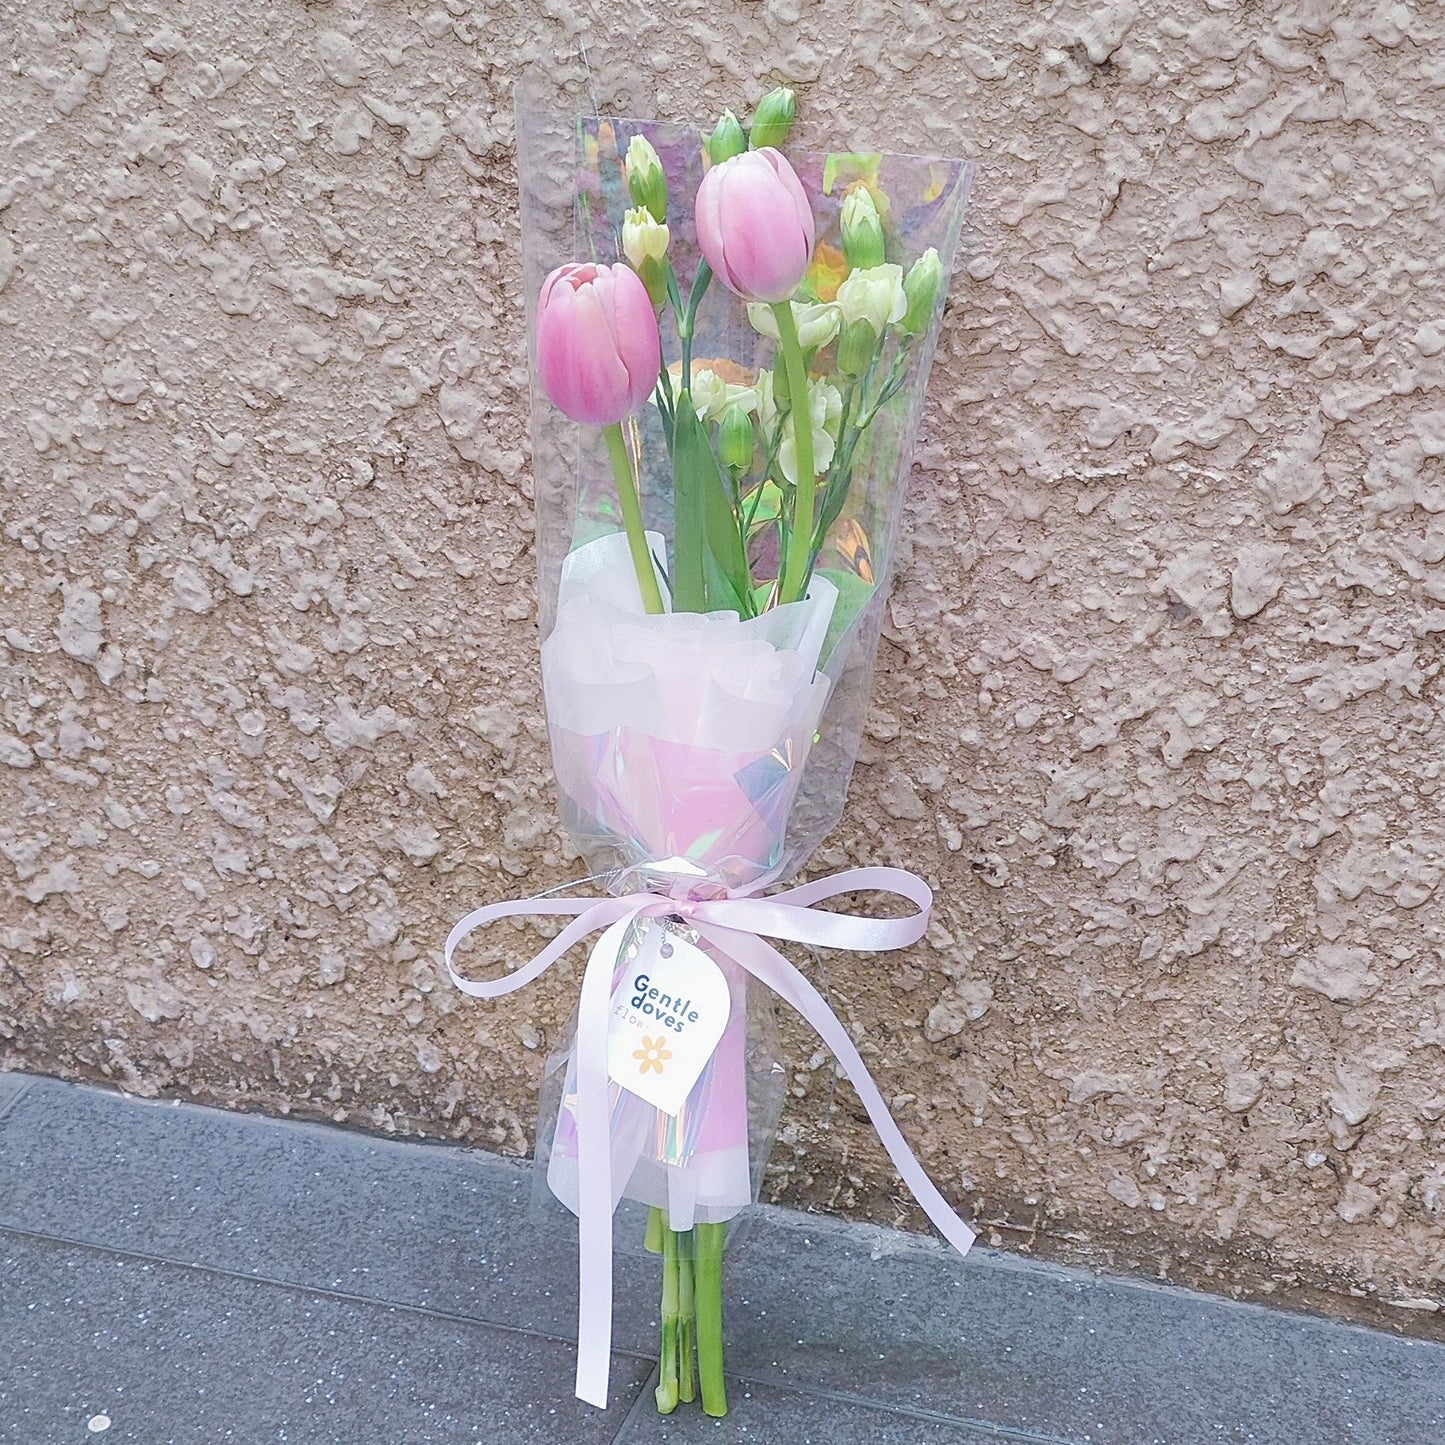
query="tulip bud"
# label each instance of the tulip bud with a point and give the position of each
(921, 287)
(856, 348)
(597, 347)
(727, 139)
(773, 119)
(754, 225)
(646, 180)
(735, 439)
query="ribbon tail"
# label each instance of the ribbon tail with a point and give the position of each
(594, 1171)
(765, 963)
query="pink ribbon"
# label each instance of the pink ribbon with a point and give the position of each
(738, 926)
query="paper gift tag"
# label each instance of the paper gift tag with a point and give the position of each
(668, 1013)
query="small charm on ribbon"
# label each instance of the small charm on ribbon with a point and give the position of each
(667, 1015)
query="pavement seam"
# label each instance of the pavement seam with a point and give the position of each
(323, 1291)
(647, 1392)
(6, 1105)
(1007, 1433)
(913, 1412)
(793, 1386)
(830, 1229)
(931, 1250)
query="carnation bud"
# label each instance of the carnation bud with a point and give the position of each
(921, 286)
(646, 180)
(856, 348)
(862, 230)
(643, 238)
(773, 119)
(735, 439)
(644, 243)
(779, 376)
(727, 139)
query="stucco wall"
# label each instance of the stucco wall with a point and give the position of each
(1159, 705)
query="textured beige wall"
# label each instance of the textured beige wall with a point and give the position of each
(1159, 703)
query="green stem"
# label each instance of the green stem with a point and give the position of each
(687, 320)
(632, 518)
(707, 1284)
(667, 1384)
(753, 502)
(891, 384)
(656, 1223)
(687, 1308)
(794, 580)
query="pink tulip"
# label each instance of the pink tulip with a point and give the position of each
(755, 226)
(598, 347)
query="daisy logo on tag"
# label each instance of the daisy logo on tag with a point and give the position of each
(654, 1053)
(667, 1014)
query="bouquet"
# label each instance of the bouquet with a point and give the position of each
(726, 386)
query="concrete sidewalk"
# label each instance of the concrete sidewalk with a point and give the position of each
(173, 1275)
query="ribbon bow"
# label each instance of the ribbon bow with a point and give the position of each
(738, 927)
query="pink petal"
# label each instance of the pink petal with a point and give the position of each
(708, 216)
(639, 344)
(765, 245)
(577, 361)
(788, 178)
(755, 226)
(600, 377)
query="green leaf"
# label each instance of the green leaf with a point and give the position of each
(721, 595)
(711, 561)
(853, 596)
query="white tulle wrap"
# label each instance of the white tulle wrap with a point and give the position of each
(680, 739)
